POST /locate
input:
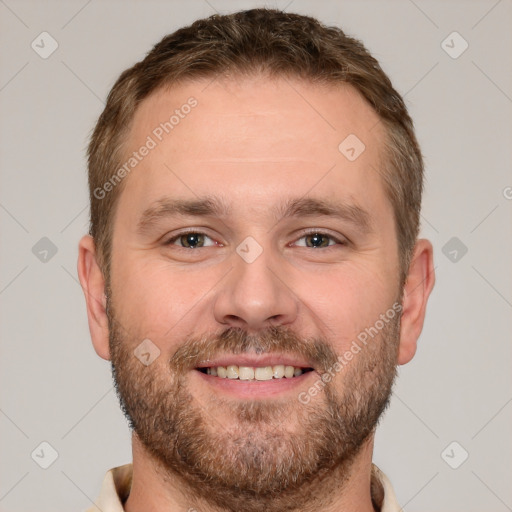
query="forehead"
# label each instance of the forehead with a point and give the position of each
(253, 109)
(257, 135)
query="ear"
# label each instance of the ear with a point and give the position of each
(419, 284)
(93, 285)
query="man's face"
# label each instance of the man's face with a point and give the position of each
(264, 277)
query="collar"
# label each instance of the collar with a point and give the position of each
(118, 481)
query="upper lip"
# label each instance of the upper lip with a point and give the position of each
(255, 361)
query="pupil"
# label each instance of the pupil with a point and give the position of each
(191, 239)
(317, 240)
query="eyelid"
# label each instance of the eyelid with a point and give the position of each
(342, 240)
(169, 240)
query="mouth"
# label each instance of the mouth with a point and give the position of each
(255, 382)
(258, 373)
(246, 376)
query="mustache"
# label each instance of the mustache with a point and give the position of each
(237, 341)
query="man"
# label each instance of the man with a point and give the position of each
(253, 270)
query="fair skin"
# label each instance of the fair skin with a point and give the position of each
(254, 144)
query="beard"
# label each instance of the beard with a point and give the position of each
(253, 455)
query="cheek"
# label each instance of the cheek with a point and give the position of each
(344, 302)
(158, 302)
(164, 302)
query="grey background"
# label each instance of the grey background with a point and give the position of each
(54, 388)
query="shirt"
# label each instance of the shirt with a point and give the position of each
(117, 483)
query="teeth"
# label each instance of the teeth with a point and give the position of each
(264, 373)
(277, 371)
(288, 372)
(245, 373)
(232, 372)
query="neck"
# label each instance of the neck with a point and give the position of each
(156, 490)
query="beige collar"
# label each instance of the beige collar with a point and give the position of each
(118, 481)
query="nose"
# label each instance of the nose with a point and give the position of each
(255, 296)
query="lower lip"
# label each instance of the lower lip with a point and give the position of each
(257, 388)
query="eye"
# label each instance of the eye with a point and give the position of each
(196, 240)
(317, 239)
(191, 240)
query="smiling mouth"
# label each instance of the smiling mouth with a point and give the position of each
(260, 373)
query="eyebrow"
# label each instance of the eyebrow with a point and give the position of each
(215, 207)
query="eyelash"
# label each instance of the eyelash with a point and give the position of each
(343, 242)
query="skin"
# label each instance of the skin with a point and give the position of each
(254, 142)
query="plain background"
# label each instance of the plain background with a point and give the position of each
(54, 388)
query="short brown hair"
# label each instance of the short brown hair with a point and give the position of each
(244, 43)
